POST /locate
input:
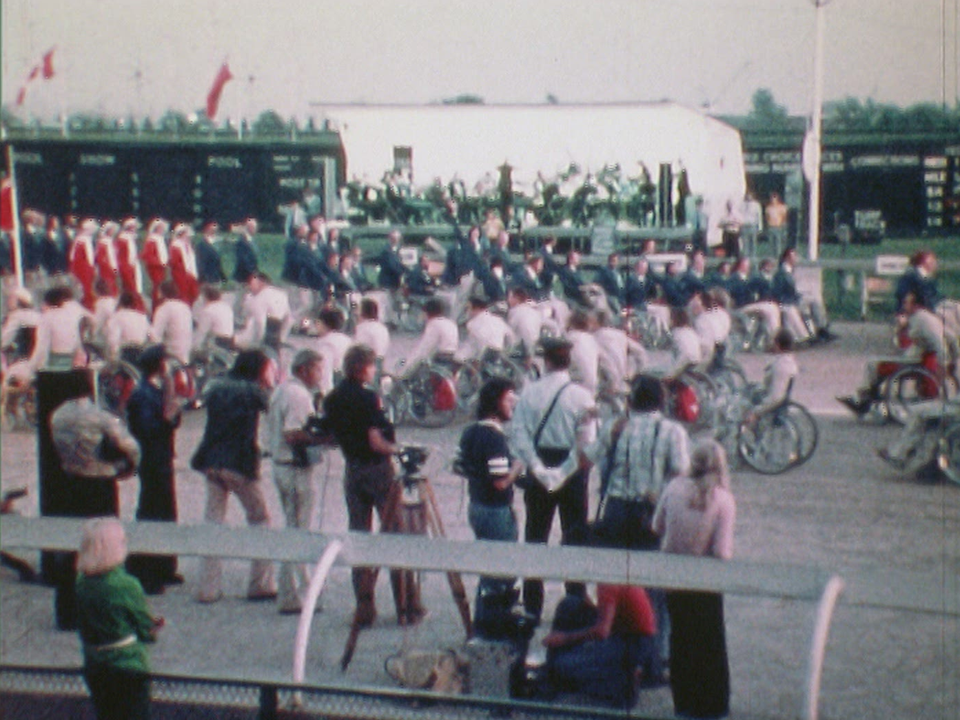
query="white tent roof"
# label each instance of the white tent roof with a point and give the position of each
(470, 141)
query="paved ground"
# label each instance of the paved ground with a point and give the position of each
(844, 510)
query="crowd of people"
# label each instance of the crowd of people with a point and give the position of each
(659, 490)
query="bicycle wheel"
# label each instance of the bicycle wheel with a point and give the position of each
(806, 427)
(771, 446)
(948, 453)
(907, 388)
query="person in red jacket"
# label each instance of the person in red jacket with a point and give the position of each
(82, 260)
(128, 261)
(106, 258)
(155, 256)
(183, 264)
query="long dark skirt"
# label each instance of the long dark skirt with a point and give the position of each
(699, 672)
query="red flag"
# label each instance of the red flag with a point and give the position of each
(6, 205)
(33, 73)
(213, 97)
(22, 95)
(48, 64)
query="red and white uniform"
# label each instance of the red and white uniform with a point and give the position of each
(81, 262)
(155, 257)
(183, 265)
(106, 259)
(128, 263)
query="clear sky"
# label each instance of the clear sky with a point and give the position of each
(136, 56)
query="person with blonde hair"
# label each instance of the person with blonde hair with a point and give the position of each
(695, 516)
(114, 624)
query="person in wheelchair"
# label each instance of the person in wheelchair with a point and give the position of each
(924, 343)
(916, 446)
(418, 280)
(127, 331)
(439, 341)
(486, 332)
(778, 378)
(20, 325)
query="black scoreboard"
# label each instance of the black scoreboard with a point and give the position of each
(183, 182)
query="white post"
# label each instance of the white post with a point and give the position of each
(818, 646)
(814, 144)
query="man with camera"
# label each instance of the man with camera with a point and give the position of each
(354, 416)
(289, 440)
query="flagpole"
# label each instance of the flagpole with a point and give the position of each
(15, 246)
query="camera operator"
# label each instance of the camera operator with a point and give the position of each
(291, 407)
(354, 416)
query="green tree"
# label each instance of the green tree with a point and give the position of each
(766, 113)
(269, 122)
(464, 99)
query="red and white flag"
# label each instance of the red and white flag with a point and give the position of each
(6, 205)
(213, 97)
(43, 69)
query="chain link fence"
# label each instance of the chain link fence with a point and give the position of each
(34, 693)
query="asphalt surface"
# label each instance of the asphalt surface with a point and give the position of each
(844, 510)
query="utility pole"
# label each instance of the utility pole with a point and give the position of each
(812, 144)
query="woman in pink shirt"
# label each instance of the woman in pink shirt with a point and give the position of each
(695, 516)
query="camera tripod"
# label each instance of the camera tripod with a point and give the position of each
(412, 508)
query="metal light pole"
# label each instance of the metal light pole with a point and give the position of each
(812, 143)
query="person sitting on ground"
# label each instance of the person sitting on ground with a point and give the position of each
(604, 650)
(611, 280)
(925, 343)
(440, 337)
(749, 295)
(572, 280)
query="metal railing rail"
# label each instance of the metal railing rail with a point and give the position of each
(937, 593)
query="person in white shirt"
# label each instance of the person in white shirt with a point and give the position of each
(686, 350)
(621, 357)
(59, 332)
(103, 307)
(485, 331)
(524, 318)
(21, 315)
(264, 302)
(293, 460)
(711, 322)
(751, 214)
(332, 345)
(440, 336)
(778, 376)
(370, 331)
(128, 327)
(214, 320)
(173, 323)
(584, 353)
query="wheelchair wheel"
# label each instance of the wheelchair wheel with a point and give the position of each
(772, 445)
(806, 428)
(468, 381)
(411, 318)
(433, 398)
(116, 383)
(394, 399)
(730, 377)
(907, 388)
(948, 453)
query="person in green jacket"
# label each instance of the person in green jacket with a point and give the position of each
(114, 624)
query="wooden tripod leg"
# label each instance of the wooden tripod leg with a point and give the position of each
(454, 579)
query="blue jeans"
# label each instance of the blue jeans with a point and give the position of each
(495, 595)
(604, 669)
